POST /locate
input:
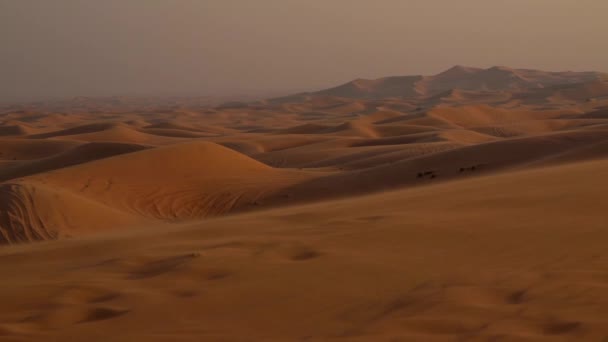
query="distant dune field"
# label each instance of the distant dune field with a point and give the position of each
(468, 205)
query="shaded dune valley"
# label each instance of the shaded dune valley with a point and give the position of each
(464, 206)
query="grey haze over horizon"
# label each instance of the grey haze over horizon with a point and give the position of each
(68, 48)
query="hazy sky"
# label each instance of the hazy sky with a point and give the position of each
(64, 48)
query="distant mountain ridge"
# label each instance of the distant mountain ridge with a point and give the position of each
(497, 78)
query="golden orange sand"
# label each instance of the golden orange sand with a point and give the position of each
(388, 210)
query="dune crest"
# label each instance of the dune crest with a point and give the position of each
(497, 78)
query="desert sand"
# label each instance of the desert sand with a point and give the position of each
(468, 205)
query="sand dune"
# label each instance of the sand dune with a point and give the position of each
(173, 165)
(582, 92)
(21, 149)
(387, 87)
(33, 212)
(453, 162)
(194, 180)
(307, 129)
(15, 130)
(466, 205)
(176, 125)
(82, 129)
(114, 132)
(76, 155)
(369, 268)
(596, 114)
(175, 133)
(475, 116)
(496, 78)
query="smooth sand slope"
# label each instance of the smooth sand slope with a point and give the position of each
(174, 183)
(476, 259)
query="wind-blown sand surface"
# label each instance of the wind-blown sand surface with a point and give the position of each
(394, 209)
(520, 255)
